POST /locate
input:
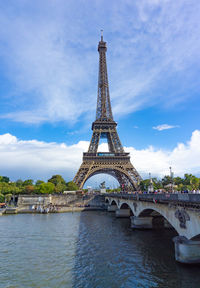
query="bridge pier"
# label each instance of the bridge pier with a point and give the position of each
(141, 222)
(112, 208)
(186, 251)
(122, 213)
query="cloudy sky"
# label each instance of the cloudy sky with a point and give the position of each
(48, 83)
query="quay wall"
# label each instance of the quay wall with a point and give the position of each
(64, 201)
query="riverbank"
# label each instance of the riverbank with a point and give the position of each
(16, 210)
(56, 204)
(63, 210)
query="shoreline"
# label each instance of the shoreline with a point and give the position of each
(12, 211)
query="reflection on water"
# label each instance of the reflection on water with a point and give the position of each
(88, 249)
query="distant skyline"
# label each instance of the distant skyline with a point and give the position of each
(49, 74)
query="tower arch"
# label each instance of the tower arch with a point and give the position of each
(118, 173)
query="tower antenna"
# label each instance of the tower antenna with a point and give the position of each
(101, 34)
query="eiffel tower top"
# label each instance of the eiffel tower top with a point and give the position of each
(104, 111)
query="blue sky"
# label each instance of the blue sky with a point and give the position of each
(48, 82)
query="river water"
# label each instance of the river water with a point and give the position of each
(87, 250)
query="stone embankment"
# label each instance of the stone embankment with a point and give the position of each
(70, 202)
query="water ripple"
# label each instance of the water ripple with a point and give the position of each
(87, 250)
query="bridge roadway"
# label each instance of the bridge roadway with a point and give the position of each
(156, 211)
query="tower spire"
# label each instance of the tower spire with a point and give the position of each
(102, 35)
(104, 111)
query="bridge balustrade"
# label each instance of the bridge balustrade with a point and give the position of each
(165, 197)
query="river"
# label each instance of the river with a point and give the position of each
(87, 250)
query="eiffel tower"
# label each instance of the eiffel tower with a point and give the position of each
(116, 162)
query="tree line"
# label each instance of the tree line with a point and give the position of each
(56, 184)
(188, 183)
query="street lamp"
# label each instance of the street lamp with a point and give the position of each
(171, 176)
(150, 188)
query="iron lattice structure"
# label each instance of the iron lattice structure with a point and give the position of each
(116, 162)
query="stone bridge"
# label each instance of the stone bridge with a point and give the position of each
(150, 211)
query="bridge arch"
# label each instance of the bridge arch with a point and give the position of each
(113, 203)
(124, 205)
(196, 238)
(156, 212)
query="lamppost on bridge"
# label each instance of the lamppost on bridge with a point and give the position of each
(150, 188)
(171, 178)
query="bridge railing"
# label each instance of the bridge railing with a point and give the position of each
(165, 197)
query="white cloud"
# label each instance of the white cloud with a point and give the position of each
(184, 158)
(40, 160)
(165, 127)
(48, 51)
(37, 159)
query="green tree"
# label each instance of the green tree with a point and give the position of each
(4, 179)
(194, 182)
(9, 188)
(57, 179)
(46, 188)
(19, 183)
(2, 198)
(14, 189)
(178, 180)
(187, 179)
(5, 188)
(8, 197)
(28, 182)
(38, 182)
(157, 184)
(144, 184)
(180, 187)
(59, 183)
(71, 186)
(116, 189)
(166, 180)
(60, 188)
